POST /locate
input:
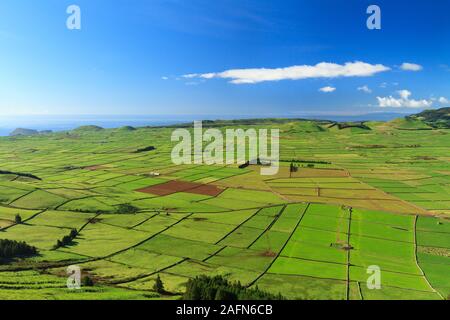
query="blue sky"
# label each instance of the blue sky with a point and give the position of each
(132, 57)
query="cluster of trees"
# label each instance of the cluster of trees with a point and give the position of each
(219, 288)
(66, 240)
(13, 249)
(126, 208)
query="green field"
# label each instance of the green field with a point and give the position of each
(360, 198)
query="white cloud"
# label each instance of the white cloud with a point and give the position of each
(208, 75)
(320, 70)
(403, 102)
(406, 66)
(327, 89)
(165, 78)
(404, 94)
(190, 76)
(444, 100)
(365, 88)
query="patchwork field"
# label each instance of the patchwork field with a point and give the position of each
(359, 198)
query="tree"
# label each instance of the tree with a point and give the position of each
(87, 282)
(18, 219)
(66, 240)
(158, 286)
(292, 168)
(73, 233)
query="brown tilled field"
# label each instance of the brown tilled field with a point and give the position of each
(175, 186)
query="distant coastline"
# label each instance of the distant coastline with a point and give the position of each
(69, 122)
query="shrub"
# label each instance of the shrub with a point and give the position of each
(87, 281)
(127, 208)
(18, 219)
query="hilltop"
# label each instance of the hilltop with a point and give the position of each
(439, 118)
(88, 128)
(28, 132)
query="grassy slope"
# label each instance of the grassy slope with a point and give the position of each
(247, 232)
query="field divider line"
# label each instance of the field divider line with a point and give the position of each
(24, 222)
(314, 260)
(420, 209)
(343, 281)
(361, 235)
(229, 225)
(281, 249)
(268, 227)
(323, 188)
(215, 253)
(23, 195)
(348, 252)
(359, 290)
(229, 210)
(47, 266)
(194, 174)
(120, 227)
(148, 274)
(147, 239)
(392, 199)
(343, 265)
(238, 226)
(429, 231)
(232, 176)
(70, 200)
(93, 259)
(416, 260)
(144, 221)
(88, 222)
